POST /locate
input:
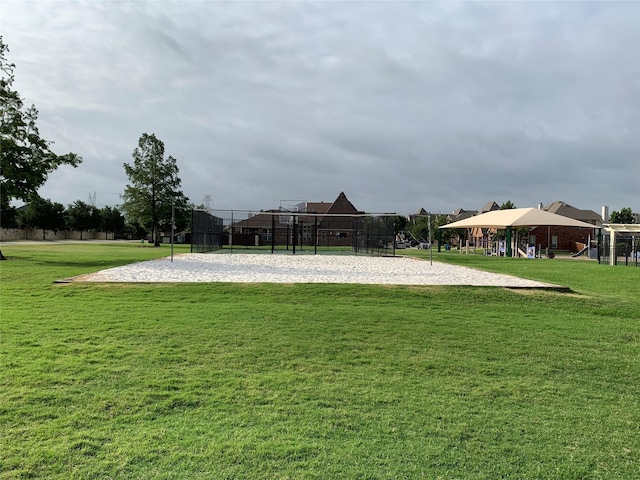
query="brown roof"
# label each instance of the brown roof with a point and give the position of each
(489, 207)
(461, 214)
(341, 205)
(566, 210)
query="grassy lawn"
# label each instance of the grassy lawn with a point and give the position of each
(272, 381)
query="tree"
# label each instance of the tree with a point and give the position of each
(508, 205)
(399, 225)
(82, 216)
(8, 216)
(420, 227)
(443, 236)
(26, 159)
(135, 230)
(154, 186)
(625, 215)
(112, 220)
(181, 218)
(45, 214)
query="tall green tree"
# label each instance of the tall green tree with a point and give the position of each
(443, 236)
(154, 186)
(112, 220)
(26, 158)
(43, 213)
(625, 215)
(81, 216)
(399, 223)
(420, 227)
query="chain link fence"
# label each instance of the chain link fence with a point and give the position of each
(627, 249)
(292, 232)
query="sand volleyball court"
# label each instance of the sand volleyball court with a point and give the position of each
(281, 268)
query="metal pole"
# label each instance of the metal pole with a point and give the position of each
(172, 230)
(355, 235)
(315, 235)
(273, 232)
(394, 239)
(430, 242)
(294, 235)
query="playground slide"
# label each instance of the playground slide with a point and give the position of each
(581, 252)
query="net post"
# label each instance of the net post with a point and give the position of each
(273, 232)
(315, 234)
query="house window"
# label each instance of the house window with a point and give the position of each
(532, 239)
(554, 241)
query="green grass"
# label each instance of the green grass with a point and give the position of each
(262, 381)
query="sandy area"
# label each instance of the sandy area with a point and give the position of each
(247, 268)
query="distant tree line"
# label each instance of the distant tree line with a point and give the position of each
(79, 216)
(42, 213)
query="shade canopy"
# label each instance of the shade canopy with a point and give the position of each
(518, 217)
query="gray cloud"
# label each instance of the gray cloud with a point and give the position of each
(400, 105)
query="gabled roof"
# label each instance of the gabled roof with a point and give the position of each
(341, 205)
(317, 207)
(489, 207)
(422, 211)
(259, 220)
(566, 210)
(461, 214)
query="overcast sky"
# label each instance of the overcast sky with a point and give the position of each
(401, 105)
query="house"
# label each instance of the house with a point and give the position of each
(460, 214)
(566, 238)
(327, 223)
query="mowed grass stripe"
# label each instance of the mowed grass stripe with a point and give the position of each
(260, 381)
